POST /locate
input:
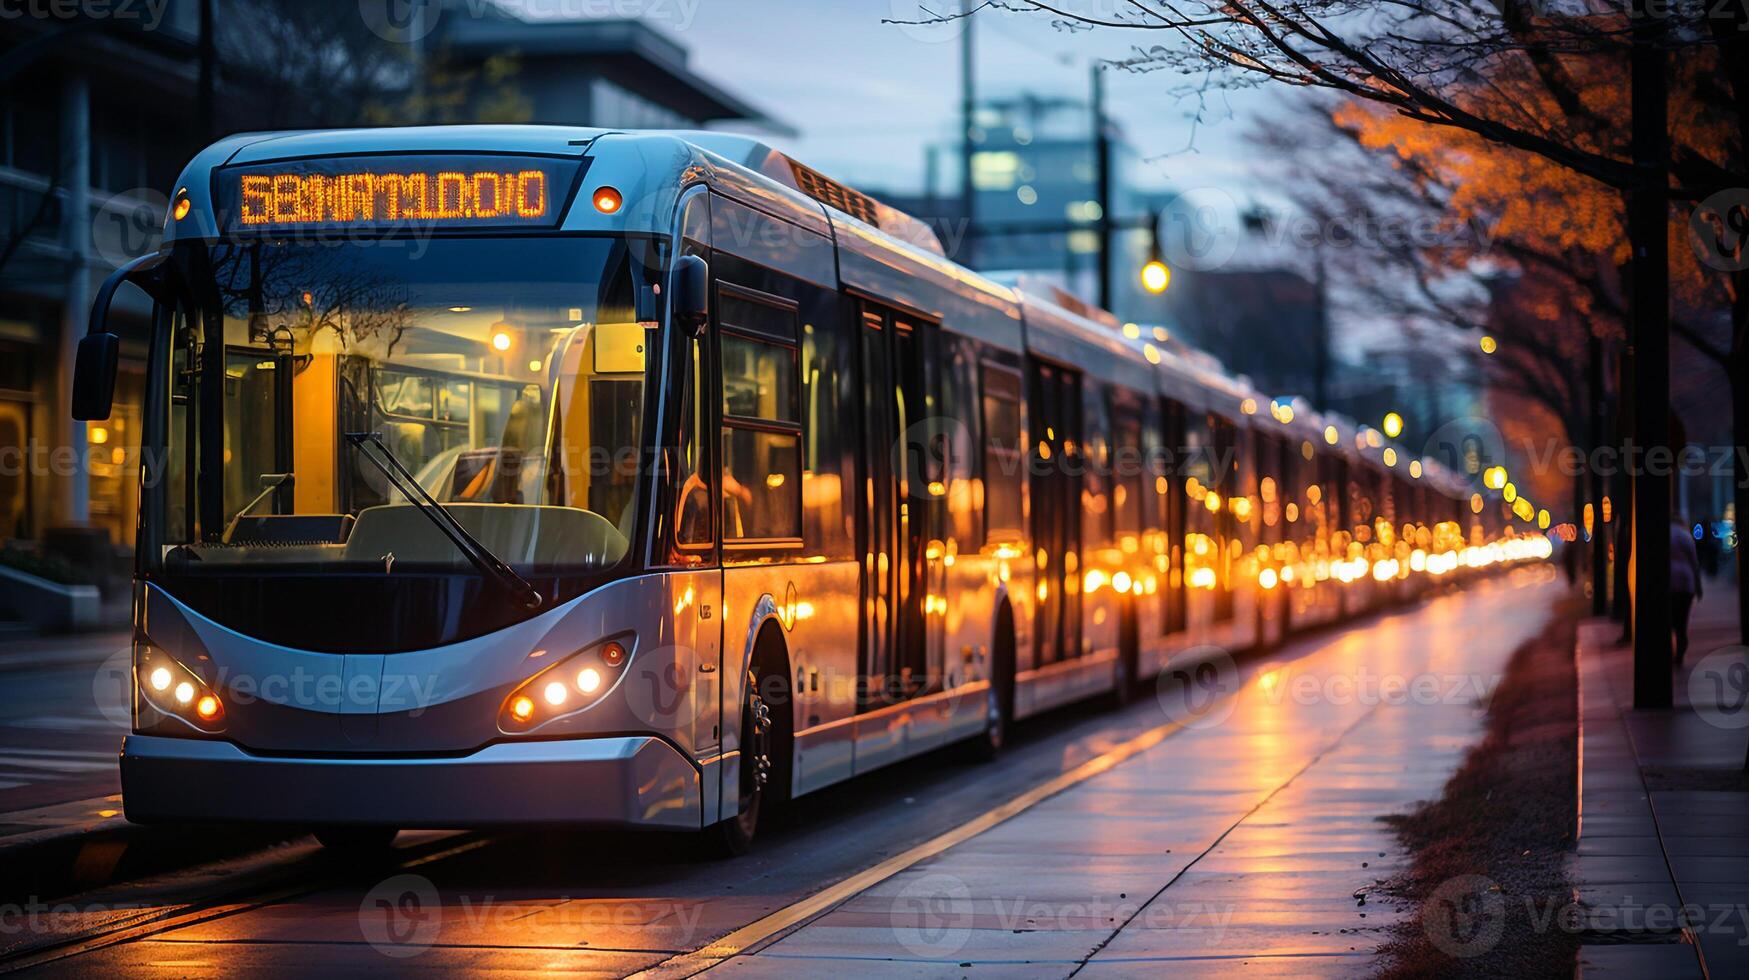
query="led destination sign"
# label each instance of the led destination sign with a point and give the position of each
(385, 192)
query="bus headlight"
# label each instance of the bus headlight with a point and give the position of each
(177, 691)
(565, 688)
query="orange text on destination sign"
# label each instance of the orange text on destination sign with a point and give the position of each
(309, 199)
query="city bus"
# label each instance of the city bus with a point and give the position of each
(545, 476)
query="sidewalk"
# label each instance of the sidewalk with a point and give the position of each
(1662, 868)
(1246, 842)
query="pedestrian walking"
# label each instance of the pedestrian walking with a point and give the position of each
(1685, 583)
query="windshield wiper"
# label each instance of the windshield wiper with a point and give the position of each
(475, 552)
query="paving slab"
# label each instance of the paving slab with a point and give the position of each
(1637, 961)
(1649, 858)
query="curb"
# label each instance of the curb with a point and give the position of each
(74, 847)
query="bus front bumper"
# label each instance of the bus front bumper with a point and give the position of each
(608, 782)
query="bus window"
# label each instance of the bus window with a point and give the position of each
(1224, 436)
(1096, 483)
(477, 363)
(1154, 480)
(762, 432)
(1127, 471)
(1057, 504)
(828, 385)
(691, 491)
(1003, 501)
(959, 394)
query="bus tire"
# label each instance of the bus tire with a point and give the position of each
(987, 746)
(764, 769)
(1125, 680)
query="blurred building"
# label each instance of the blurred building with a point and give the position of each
(1035, 192)
(98, 116)
(91, 114)
(616, 74)
(1266, 323)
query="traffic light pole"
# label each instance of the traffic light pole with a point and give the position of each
(1102, 183)
(968, 122)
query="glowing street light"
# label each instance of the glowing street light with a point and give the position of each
(1156, 276)
(1489, 345)
(1495, 478)
(1393, 424)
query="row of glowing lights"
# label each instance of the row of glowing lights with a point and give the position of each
(556, 692)
(1419, 561)
(208, 705)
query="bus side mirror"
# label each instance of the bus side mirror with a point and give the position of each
(692, 291)
(94, 376)
(99, 349)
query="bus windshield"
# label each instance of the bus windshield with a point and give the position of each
(507, 375)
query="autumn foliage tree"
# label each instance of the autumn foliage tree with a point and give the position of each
(1514, 108)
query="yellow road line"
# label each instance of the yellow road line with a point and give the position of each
(687, 964)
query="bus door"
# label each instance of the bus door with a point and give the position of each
(1056, 512)
(897, 510)
(1175, 587)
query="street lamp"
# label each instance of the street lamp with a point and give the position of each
(1489, 345)
(1393, 424)
(1156, 276)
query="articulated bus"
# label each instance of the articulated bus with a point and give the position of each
(524, 476)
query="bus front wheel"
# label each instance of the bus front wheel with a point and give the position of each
(734, 836)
